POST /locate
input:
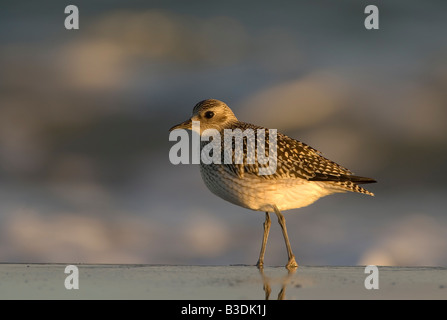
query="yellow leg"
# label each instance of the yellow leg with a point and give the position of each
(282, 221)
(267, 224)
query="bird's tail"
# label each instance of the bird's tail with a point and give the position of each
(359, 180)
(353, 187)
(346, 182)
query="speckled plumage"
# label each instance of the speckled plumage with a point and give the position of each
(302, 176)
(296, 160)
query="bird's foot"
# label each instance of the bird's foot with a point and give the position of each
(292, 264)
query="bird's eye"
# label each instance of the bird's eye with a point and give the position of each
(209, 114)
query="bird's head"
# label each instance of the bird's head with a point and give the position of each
(212, 114)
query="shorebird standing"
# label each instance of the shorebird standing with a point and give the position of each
(302, 174)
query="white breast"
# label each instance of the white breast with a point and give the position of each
(260, 194)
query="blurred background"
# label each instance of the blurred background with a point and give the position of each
(85, 175)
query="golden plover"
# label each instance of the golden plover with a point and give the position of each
(302, 174)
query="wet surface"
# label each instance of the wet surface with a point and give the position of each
(47, 281)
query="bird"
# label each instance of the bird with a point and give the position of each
(302, 176)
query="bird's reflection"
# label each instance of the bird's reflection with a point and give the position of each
(284, 282)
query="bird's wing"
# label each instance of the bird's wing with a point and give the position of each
(294, 159)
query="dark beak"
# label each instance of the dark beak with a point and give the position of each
(184, 125)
